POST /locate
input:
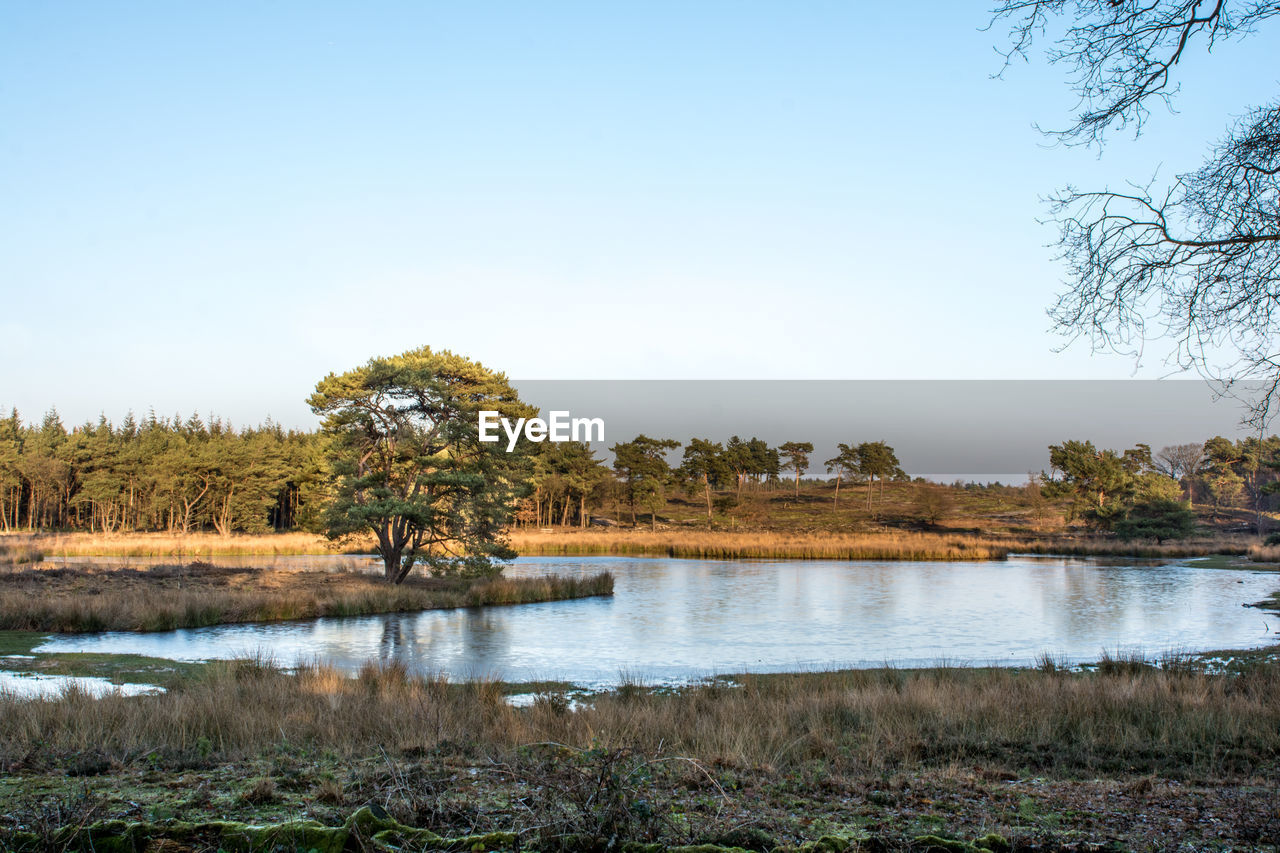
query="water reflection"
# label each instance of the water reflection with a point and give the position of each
(677, 619)
(394, 629)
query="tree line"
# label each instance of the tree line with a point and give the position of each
(183, 475)
(569, 482)
(158, 474)
(1120, 489)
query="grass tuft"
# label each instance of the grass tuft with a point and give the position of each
(1185, 724)
(163, 598)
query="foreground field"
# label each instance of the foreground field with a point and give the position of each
(162, 598)
(874, 760)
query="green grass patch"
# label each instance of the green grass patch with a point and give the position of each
(1231, 561)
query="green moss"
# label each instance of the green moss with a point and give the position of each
(990, 843)
(294, 835)
(938, 844)
(637, 847)
(993, 842)
(478, 843)
(826, 844)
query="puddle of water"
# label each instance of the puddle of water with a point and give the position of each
(38, 685)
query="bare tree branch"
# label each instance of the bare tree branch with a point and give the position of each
(1122, 54)
(1197, 261)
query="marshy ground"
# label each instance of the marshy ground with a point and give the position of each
(36, 597)
(1121, 756)
(1127, 755)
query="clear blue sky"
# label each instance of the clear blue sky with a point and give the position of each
(210, 206)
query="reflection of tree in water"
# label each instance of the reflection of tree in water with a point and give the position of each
(485, 650)
(1085, 604)
(399, 638)
(463, 642)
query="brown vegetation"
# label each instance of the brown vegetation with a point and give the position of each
(14, 551)
(783, 756)
(729, 545)
(1264, 553)
(188, 546)
(1177, 721)
(886, 545)
(166, 597)
(952, 541)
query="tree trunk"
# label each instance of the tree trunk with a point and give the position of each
(222, 518)
(391, 564)
(391, 551)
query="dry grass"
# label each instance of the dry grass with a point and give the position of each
(167, 597)
(1099, 546)
(1179, 724)
(724, 545)
(179, 546)
(888, 545)
(1265, 553)
(16, 551)
(959, 544)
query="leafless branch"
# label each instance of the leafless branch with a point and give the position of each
(1122, 54)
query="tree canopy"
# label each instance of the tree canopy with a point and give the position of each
(797, 454)
(1158, 519)
(173, 474)
(642, 466)
(409, 466)
(705, 464)
(877, 461)
(1104, 485)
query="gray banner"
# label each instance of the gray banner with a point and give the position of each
(943, 429)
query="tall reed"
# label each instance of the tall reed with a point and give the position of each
(723, 545)
(889, 545)
(1178, 723)
(183, 546)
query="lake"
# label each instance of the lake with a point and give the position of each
(673, 620)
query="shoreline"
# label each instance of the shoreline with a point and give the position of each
(961, 544)
(20, 655)
(72, 600)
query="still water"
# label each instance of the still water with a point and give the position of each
(672, 620)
